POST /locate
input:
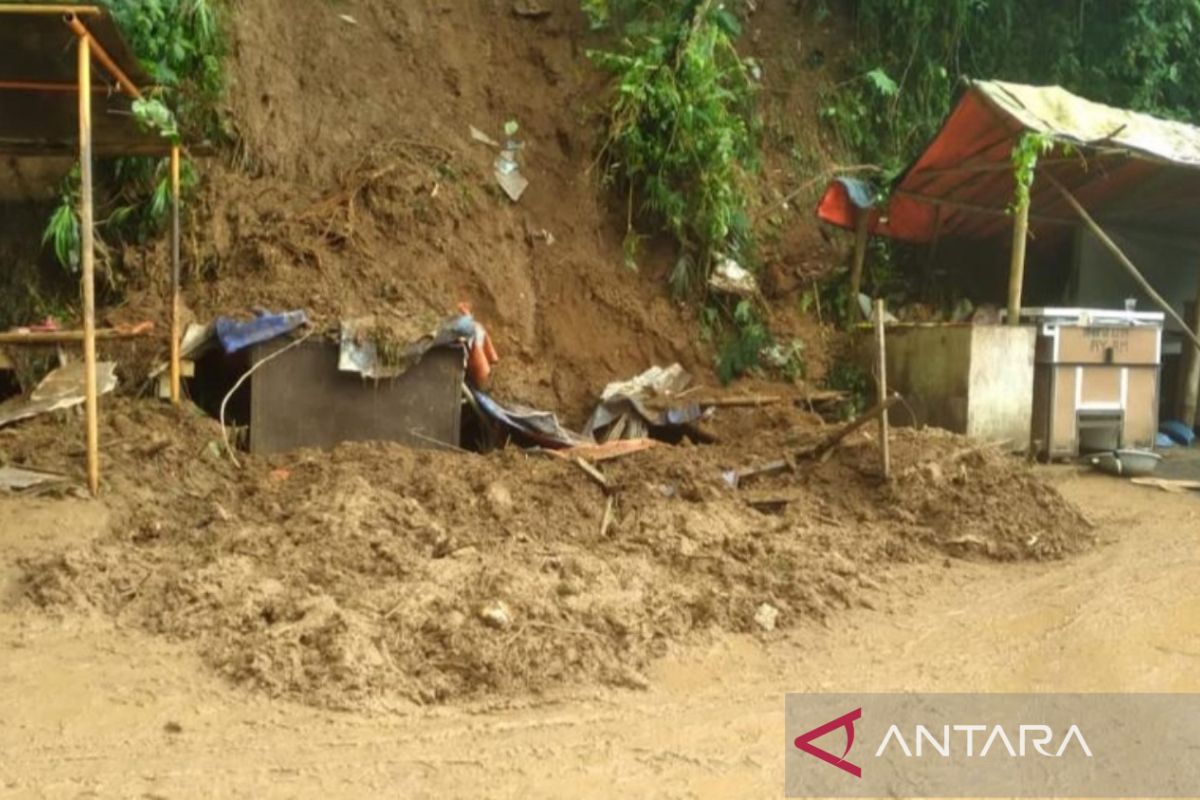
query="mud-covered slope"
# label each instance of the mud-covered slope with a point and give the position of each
(356, 187)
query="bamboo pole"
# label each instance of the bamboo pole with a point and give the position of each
(1189, 396)
(1124, 261)
(48, 9)
(176, 323)
(37, 338)
(885, 451)
(1016, 267)
(861, 234)
(87, 257)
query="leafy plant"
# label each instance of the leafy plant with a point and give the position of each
(62, 231)
(180, 45)
(743, 343)
(849, 377)
(910, 56)
(682, 128)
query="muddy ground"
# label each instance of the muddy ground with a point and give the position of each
(379, 576)
(95, 706)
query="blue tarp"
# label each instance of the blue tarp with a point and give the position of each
(239, 334)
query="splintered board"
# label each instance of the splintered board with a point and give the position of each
(301, 399)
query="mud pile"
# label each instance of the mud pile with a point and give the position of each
(375, 573)
(356, 187)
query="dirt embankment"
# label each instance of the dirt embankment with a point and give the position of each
(377, 574)
(358, 189)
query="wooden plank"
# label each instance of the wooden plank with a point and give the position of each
(37, 338)
(590, 470)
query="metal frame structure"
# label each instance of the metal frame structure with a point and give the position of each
(88, 51)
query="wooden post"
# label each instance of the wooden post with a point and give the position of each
(1124, 261)
(885, 452)
(176, 323)
(87, 259)
(1016, 268)
(1189, 395)
(861, 234)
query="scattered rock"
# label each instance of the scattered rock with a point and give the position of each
(632, 679)
(499, 499)
(496, 615)
(841, 565)
(173, 727)
(766, 616)
(530, 9)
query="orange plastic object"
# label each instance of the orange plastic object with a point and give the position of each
(478, 368)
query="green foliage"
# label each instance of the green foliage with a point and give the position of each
(152, 114)
(1025, 156)
(180, 45)
(849, 377)
(742, 344)
(910, 56)
(682, 128)
(62, 231)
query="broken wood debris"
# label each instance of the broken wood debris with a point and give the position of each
(1168, 485)
(65, 337)
(821, 450)
(606, 451)
(607, 518)
(596, 475)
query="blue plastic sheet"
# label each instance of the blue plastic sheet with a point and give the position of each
(239, 334)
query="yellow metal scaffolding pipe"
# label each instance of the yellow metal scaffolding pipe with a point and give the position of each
(87, 257)
(103, 57)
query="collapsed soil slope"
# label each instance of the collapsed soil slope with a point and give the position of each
(358, 189)
(376, 574)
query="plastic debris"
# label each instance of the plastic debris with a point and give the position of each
(730, 277)
(236, 335)
(62, 388)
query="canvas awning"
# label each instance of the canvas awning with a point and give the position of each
(1125, 167)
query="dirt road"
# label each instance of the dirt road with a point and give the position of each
(87, 710)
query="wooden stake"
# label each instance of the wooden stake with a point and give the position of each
(885, 452)
(1189, 396)
(607, 518)
(1124, 261)
(596, 475)
(1016, 267)
(87, 259)
(861, 235)
(176, 324)
(827, 444)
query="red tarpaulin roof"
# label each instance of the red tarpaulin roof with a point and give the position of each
(1126, 168)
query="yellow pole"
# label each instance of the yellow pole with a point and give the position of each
(176, 323)
(1016, 269)
(87, 260)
